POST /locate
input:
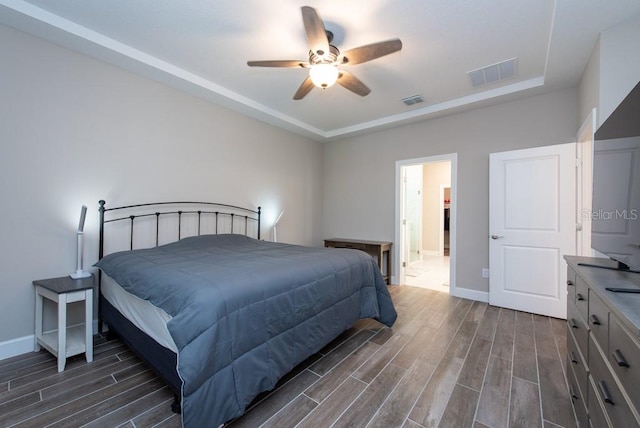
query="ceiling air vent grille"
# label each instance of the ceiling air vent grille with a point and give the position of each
(413, 99)
(493, 73)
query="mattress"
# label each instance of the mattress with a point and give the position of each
(142, 313)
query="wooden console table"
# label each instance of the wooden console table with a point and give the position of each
(380, 250)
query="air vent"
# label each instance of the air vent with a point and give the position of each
(493, 73)
(413, 99)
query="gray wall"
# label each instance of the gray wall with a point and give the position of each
(74, 130)
(359, 173)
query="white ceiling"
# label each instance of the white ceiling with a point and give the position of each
(202, 46)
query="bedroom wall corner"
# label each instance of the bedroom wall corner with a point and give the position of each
(589, 86)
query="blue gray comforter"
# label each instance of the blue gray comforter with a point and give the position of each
(245, 312)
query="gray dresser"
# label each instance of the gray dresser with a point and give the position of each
(603, 342)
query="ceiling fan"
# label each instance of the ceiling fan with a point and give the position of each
(324, 58)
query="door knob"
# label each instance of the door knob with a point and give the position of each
(494, 236)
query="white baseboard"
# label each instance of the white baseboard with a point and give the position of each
(23, 345)
(19, 346)
(466, 293)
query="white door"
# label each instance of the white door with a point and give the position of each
(413, 212)
(531, 227)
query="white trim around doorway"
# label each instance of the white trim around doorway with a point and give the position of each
(398, 242)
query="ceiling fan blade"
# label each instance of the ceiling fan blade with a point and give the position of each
(315, 31)
(277, 63)
(372, 51)
(352, 83)
(304, 89)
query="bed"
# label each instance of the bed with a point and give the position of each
(220, 314)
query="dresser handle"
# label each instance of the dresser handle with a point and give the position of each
(572, 323)
(620, 359)
(573, 394)
(605, 393)
(594, 320)
(573, 358)
(569, 282)
(579, 297)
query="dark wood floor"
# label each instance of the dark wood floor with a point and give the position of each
(446, 362)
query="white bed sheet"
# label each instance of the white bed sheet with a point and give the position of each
(142, 313)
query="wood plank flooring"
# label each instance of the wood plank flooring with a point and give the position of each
(447, 362)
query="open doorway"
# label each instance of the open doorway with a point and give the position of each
(425, 232)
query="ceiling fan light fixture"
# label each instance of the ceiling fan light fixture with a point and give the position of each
(324, 58)
(323, 75)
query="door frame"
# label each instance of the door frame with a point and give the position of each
(584, 184)
(399, 237)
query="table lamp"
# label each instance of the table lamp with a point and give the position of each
(79, 273)
(275, 225)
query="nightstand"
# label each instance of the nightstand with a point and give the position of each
(65, 341)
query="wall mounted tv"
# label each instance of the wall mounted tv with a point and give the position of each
(615, 213)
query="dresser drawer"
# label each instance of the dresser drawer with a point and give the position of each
(597, 417)
(607, 390)
(624, 357)
(599, 320)
(582, 298)
(579, 329)
(571, 285)
(577, 363)
(578, 397)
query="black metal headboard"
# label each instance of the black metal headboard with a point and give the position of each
(235, 214)
(218, 218)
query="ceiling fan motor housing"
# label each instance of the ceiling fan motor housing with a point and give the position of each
(326, 58)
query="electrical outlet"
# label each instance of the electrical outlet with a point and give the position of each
(485, 273)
